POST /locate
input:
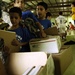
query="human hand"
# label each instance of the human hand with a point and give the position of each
(15, 42)
(43, 34)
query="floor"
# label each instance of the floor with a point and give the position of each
(71, 69)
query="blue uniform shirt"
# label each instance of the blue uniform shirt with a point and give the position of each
(23, 35)
(27, 14)
(45, 23)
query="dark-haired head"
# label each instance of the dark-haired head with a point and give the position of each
(73, 3)
(19, 3)
(43, 4)
(15, 14)
(16, 10)
(48, 14)
(60, 13)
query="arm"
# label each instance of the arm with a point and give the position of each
(43, 34)
(15, 42)
(22, 37)
(73, 11)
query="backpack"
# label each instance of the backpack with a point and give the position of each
(31, 26)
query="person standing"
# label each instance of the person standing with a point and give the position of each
(72, 27)
(61, 24)
(73, 11)
(22, 34)
(41, 10)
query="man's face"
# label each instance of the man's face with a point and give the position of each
(41, 12)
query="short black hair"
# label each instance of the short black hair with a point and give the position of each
(60, 13)
(16, 10)
(48, 14)
(43, 4)
(73, 3)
